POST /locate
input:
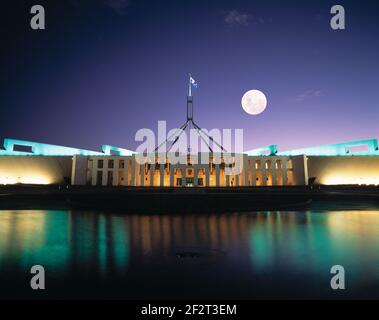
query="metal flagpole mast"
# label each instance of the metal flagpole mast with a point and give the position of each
(188, 124)
(188, 101)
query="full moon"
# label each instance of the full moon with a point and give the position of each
(254, 102)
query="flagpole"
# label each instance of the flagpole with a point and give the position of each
(189, 87)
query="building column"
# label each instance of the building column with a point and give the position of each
(217, 175)
(142, 169)
(264, 174)
(284, 171)
(171, 175)
(152, 172)
(126, 169)
(105, 175)
(227, 182)
(274, 172)
(224, 182)
(245, 172)
(94, 173)
(133, 179)
(115, 175)
(161, 175)
(207, 175)
(253, 173)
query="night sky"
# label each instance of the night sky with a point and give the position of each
(104, 69)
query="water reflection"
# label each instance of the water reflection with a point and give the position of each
(63, 241)
(162, 233)
(233, 253)
(314, 241)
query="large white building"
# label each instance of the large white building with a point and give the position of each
(25, 162)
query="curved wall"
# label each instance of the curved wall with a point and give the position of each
(34, 169)
(344, 170)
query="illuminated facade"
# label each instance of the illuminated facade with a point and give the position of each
(126, 171)
(24, 162)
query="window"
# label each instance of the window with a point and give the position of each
(100, 164)
(121, 164)
(189, 182)
(110, 164)
(178, 181)
(22, 148)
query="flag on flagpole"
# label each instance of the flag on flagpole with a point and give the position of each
(193, 82)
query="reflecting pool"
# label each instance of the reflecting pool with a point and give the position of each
(274, 254)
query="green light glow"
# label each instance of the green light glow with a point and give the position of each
(108, 149)
(266, 151)
(339, 149)
(43, 149)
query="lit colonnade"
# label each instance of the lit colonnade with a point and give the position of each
(127, 171)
